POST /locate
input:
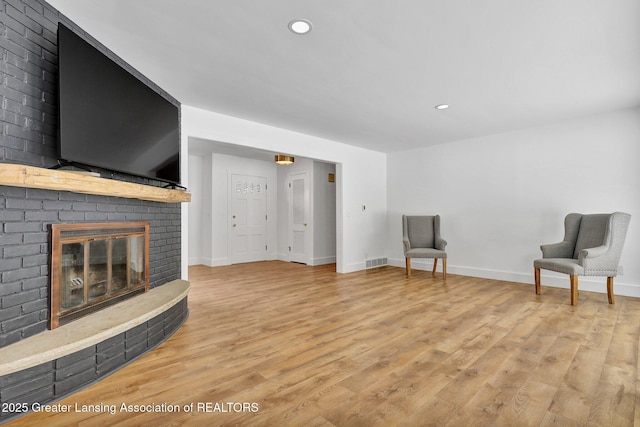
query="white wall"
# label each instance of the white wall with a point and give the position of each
(361, 179)
(324, 214)
(501, 196)
(199, 250)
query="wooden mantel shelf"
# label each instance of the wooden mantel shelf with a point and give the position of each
(49, 179)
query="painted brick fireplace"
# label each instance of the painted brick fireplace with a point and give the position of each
(24, 268)
(28, 136)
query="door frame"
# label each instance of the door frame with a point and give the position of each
(308, 216)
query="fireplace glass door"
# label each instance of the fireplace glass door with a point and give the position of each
(94, 265)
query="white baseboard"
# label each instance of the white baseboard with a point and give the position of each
(209, 262)
(218, 262)
(315, 261)
(547, 278)
(197, 261)
(350, 268)
(323, 260)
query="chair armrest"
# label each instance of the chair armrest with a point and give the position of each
(406, 244)
(562, 249)
(593, 252)
(598, 261)
(440, 243)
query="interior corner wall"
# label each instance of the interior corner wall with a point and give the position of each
(199, 209)
(361, 178)
(324, 214)
(502, 196)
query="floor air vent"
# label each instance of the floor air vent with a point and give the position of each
(377, 262)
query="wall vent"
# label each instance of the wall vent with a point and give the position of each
(376, 262)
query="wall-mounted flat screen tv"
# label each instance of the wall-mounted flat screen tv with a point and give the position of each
(110, 119)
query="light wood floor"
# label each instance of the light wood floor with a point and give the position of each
(314, 348)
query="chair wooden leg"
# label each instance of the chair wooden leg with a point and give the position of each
(444, 268)
(574, 289)
(536, 275)
(435, 264)
(408, 266)
(610, 290)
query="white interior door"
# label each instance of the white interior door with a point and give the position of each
(298, 218)
(248, 222)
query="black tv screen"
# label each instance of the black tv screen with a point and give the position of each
(110, 119)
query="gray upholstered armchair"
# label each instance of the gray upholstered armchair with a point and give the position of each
(592, 246)
(421, 239)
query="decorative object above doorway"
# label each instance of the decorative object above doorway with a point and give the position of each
(282, 159)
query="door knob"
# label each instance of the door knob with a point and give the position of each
(234, 225)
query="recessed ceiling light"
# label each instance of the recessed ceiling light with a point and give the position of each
(442, 106)
(300, 26)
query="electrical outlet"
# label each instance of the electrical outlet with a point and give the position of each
(620, 270)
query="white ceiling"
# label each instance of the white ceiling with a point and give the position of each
(371, 71)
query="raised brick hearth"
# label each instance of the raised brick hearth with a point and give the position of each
(56, 363)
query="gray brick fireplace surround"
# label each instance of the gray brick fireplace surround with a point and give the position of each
(28, 136)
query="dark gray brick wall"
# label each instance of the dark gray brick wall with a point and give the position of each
(28, 89)
(28, 135)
